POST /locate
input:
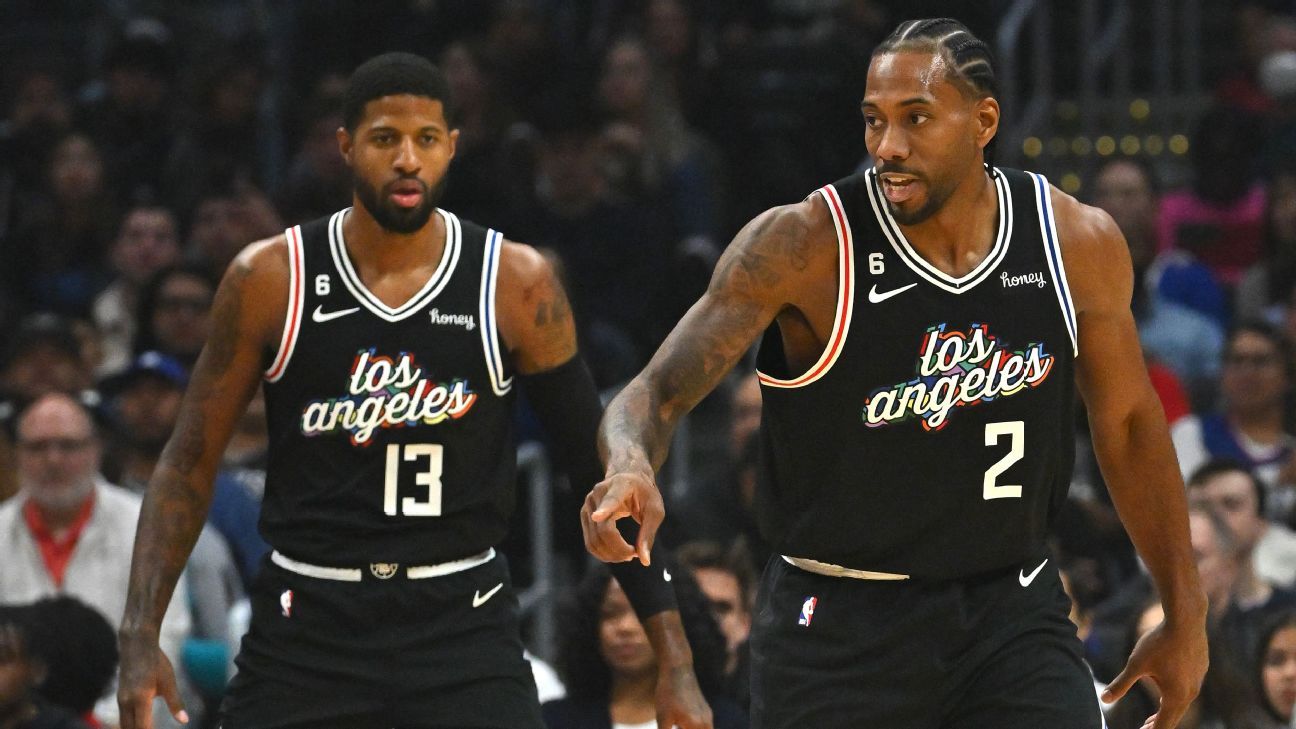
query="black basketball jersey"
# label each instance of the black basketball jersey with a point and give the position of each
(391, 429)
(933, 437)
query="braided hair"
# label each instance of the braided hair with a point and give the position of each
(971, 63)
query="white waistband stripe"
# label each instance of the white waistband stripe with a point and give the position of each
(355, 574)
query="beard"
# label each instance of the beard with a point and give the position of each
(392, 217)
(937, 195)
(60, 499)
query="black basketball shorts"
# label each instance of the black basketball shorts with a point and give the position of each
(381, 653)
(993, 651)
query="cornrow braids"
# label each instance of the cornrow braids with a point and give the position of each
(970, 60)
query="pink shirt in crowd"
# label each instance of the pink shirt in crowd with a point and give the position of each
(1226, 238)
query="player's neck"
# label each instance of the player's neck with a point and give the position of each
(371, 246)
(958, 237)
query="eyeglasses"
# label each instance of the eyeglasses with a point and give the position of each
(61, 446)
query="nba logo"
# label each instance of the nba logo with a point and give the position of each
(285, 603)
(807, 611)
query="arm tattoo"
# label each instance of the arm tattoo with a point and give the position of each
(710, 339)
(179, 494)
(553, 339)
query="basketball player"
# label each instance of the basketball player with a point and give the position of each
(931, 316)
(390, 337)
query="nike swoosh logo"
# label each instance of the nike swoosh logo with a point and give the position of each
(1026, 579)
(319, 316)
(876, 298)
(480, 599)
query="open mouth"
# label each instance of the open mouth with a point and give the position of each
(899, 188)
(407, 194)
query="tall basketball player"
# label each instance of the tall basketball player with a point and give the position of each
(389, 337)
(924, 324)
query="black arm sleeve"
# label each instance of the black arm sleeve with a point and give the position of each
(567, 403)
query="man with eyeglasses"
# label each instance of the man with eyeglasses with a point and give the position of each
(68, 531)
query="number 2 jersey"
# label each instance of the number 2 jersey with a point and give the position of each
(391, 428)
(934, 435)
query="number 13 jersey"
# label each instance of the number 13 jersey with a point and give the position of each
(934, 436)
(391, 428)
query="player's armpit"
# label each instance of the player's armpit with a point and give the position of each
(533, 313)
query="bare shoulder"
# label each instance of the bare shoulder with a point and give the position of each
(780, 248)
(522, 265)
(259, 277)
(534, 315)
(1094, 253)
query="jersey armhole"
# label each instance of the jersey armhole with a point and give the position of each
(1053, 254)
(500, 384)
(296, 299)
(845, 298)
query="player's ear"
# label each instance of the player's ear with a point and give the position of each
(986, 115)
(345, 143)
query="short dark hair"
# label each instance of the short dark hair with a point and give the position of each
(1219, 466)
(971, 61)
(393, 74)
(79, 649)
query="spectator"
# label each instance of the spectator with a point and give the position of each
(1267, 286)
(54, 258)
(728, 582)
(318, 181)
(232, 133)
(43, 356)
(79, 649)
(175, 312)
(1250, 428)
(1179, 307)
(144, 403)
(1240, 602)
(1220, 219)
(147, 242)
(69, 531)
(661, 157)
(595, 234)
(1230, 490)
(132, 116)
(22, 671)
(484, 119)
(1276, 674)
(227, 217)
(39, 114)
(1129, 190)
(609, 668)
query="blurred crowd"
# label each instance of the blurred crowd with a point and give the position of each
(141, 150)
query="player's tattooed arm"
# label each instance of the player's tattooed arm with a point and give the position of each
(769, 266)
(780, 260)
(247, 319)
(534, 315)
